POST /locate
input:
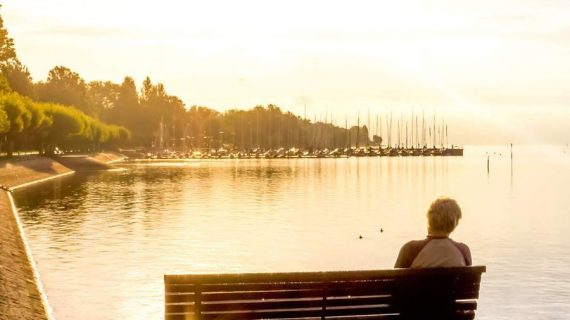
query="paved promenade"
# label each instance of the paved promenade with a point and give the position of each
(20, 297)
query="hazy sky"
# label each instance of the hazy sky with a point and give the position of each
(497, 71)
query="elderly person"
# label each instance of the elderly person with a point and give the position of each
(437, 250)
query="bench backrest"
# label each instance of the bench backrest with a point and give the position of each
(441, 293)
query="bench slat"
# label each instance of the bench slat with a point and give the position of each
(179, 298)
(458, 291)
(457, 283)
(316, 276)
(280, 304)
(298, 304)
(248, 286)
(300, 313)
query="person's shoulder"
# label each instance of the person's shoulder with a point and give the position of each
(464, 250)
(461, 245)
(415, 244)
(408, 253)
(413, 247)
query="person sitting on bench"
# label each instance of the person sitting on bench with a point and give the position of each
(437, 250)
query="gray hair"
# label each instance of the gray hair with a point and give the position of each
(443, 215)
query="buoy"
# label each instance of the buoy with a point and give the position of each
(360, 237)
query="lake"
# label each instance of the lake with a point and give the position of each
(104, 240)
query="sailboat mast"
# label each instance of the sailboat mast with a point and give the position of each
(380, 132)
(389, 129)
(377, 134)
(423, 130)
(406, 134)
(332, 133)
(417, 134)
(368, 130)
(446, 137)
(412, 130)
(347, 135)
(434, 136)
(358, 131)
(399, 133)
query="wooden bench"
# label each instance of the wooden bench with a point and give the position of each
(441, 293)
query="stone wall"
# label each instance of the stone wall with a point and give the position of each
(19, 172)
(20, 297)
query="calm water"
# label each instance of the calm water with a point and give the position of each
(103, 241)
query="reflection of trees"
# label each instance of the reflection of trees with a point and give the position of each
(57, 206)
(149, 196)
(158, 188)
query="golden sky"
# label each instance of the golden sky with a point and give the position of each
(504, 64)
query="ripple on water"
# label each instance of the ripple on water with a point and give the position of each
(117, 232)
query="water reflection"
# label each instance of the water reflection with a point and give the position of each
(118, 232)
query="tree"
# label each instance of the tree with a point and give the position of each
(65, 87)
(4, 85)
(19, 118)
(102, 97)
(128, 98)
(4, 123)
(61, 120)
(7, 51)
(16, 74)
(19, 78)
(124, 107)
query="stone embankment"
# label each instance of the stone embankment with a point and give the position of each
(21, 293)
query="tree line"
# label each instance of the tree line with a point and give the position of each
(107, 113)
(159, 120)
(31, 120)
(48, 127)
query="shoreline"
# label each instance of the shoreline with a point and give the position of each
(22, 295)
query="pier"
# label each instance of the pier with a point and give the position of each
(292, 153)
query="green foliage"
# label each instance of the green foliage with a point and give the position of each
(51, 125)
(16, 75)
(7, 51)
(4, 122)
(4, 85)
(73, 114)
(65, 87)
(18, 78)
(63, 118)
(102, 96)
(18, 116)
